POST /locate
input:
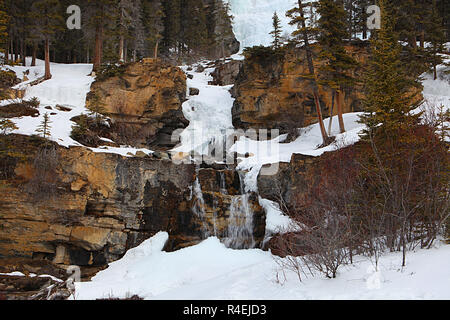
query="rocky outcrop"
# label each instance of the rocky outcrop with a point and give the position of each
(291, 181)
(104, 204)
(146, 99)
(272, 90)
(274, 93)
(226, 72)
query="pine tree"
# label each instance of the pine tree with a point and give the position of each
(276, 32)
(4, 21)
(303, 35)
(436, 36)
(154, 24)
(48, 21)
(98, 15)
(128, 12)
(6, 126)
(337, 64)
(44, 127)
(388, 100)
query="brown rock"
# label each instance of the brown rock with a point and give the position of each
(146, 100)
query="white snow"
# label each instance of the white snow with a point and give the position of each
(210, 271)
(209, 113)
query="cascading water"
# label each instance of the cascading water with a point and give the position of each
(240, 224)
(199, 205)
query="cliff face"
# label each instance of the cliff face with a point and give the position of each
(104, 204)
(146, 98)
(274, 92)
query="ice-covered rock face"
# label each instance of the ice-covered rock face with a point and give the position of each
(253, 20)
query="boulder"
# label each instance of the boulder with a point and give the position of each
(144, 102)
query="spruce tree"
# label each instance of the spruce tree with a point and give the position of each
(337, 64)
(4, 21)
(303, 35)
(96, 107)
(6, 126)
(98, 15)
(44, 127)
(48, 21)
(276, 32)
(388, 98)
(153, 14)
(436, 36)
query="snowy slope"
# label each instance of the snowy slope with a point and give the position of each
(210, 271)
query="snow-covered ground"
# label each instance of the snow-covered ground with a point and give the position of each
(210, 271)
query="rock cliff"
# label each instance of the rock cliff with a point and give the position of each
(104, 204)
(272, 90)
(143, 99)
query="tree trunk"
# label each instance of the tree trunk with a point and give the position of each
(330, 123)
(33, 59)
(422, 39)
(435, 70)
(340, 111)
(156, 49)
(48, 75)
(122, 36)
(125, 51)
(98, 48)
(121, 51)
(313, 75)
(16, 51)
(8, 50)
(23, 52)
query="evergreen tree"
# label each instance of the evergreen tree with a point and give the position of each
(335, 72)
(6, 126)
(48, 21)
(129, 18)
(98, 15)
(276, 32)
(388, 100)
(154, 24)
(44, 127)
(436, 36)
(4, 21)
(97, 108)
(303, 35)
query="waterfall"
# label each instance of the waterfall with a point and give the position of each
(260, 13)
(240, 223)
(199, 205)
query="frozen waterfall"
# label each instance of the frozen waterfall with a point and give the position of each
(253, 20)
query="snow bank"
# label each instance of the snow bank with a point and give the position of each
(210, 271)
